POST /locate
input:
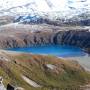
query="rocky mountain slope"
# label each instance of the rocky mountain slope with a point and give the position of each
(36, 72)
(81, 20)
(19, 35)
(6, 20)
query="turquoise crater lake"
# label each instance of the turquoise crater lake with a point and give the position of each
(56, 50)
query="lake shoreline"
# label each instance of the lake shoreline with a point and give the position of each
(82, 59)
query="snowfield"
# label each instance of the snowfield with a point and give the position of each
(66, 8)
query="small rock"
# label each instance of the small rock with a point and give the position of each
(50, 66)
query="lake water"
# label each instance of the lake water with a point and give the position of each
(56, 50)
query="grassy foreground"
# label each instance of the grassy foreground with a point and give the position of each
(66, 75)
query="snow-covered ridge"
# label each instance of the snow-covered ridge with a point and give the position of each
(52, 8)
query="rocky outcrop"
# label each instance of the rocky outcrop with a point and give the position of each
(73, 37)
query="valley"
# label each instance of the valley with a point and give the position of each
(44, 44)
(46, 72)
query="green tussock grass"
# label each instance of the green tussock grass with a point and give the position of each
(67, 74)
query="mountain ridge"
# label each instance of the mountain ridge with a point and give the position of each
(60, 9)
